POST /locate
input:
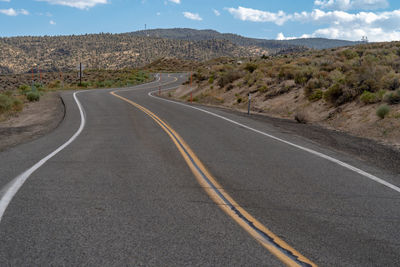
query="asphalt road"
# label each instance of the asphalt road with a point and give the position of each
(121, 193)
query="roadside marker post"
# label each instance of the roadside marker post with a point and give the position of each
(191, 89)
(248, 108)
(159, 85)
(80, 74)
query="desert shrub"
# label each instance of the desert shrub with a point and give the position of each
(263, 89)
(311, 85)
(17, 104)
(370, 85)
(33, 96)
(391, 81)
(333, 93)
(369, 98)
(99, 84)
(250, 67)
(5, 103)
(211, 79)
(84, 84)
(250, 79)
(392, 97)
(54, 84)
(303, 76)
(315, 96)
(24, 89)
(382, 111)
(228, 77)
(349, 54)
(287, 72)
(301, 116)
(336, 76)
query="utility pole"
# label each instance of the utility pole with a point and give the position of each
(248, 108)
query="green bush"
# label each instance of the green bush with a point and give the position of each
(333, 93)
(311, 85)
(5, 103)
(369, 98)
(391, 81)
(303, 76)
(350, 54)
(228, 77)
(251, 67)
(392, 97)
(33, 96)
(24, 89)
(382, 111)
(315, 96)
(17, 104)
(263, 89)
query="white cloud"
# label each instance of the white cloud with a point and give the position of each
(250, 14)
(192, 16)
(351, 4)
(13, 12)
(81, 4)
(282, 37)
(378, 26)
(216, 12)
(52, 22)
(4, 0)
(175, 1)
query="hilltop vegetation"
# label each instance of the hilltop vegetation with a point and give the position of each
(105, 51)
(327, 87)
(274, 46)
(136, 49)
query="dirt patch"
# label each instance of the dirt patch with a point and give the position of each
(37, 119)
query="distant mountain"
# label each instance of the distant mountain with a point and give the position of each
(275, 46)
(320, 43)
(201, 35)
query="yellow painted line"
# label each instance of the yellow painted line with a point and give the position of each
(263, 235)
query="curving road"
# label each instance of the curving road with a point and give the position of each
(132, 179)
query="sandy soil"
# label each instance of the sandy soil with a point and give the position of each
(36, 119)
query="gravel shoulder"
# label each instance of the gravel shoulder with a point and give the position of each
(36, 120)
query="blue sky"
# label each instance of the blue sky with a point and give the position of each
(270, 19)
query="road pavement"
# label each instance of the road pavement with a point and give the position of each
(121, 192)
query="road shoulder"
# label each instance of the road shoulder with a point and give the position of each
(36, 120)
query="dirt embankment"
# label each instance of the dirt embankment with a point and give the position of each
(36, 119)
(354, 118)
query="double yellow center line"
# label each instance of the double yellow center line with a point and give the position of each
(265, 237)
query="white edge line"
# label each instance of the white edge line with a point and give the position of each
(12, 187)
(321, 155)
(8, 192)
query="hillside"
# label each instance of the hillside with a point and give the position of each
(275, 46)
(320, 43)
(107, 51)
(354, 89)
